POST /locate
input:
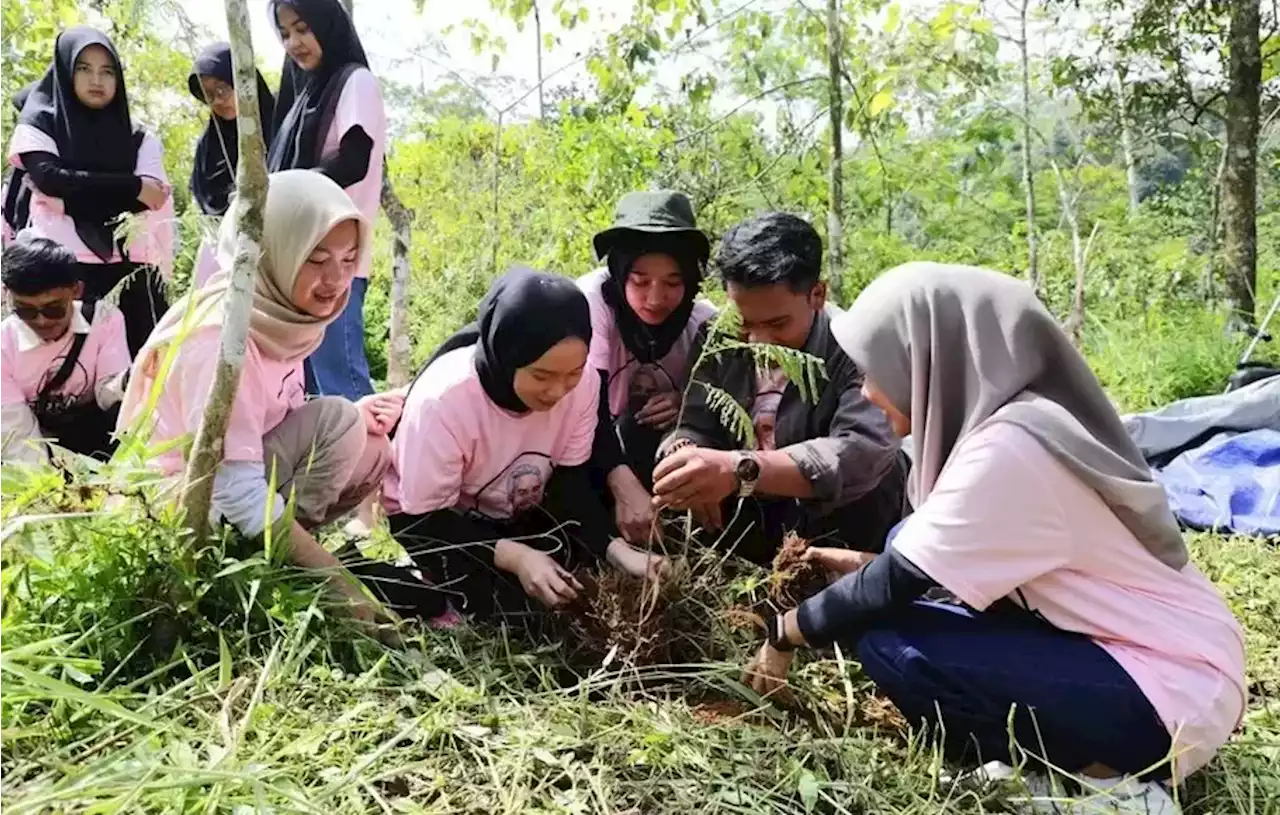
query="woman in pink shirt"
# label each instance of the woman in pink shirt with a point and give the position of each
(327, 454)
(329, 118)
(490, 493)
(645, 317)
(1082, 614)
(88, 165)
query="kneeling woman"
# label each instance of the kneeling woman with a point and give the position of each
(328, 454)
(490, 493)
(1083, 614)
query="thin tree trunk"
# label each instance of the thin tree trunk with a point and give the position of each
(835, 198)
(1028, 177)
(1126, 144)
(1240, 180)
(250, 199)
(401, 344)
(537, 30)
(1215, 228)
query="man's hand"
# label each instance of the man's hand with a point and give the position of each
(660, 411)
(637, 563)
(540, 576)
(692, 476)
(381, 411)
(633, 507)
(766, 673)
(837, 562)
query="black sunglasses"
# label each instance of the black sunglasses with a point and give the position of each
(51, 311)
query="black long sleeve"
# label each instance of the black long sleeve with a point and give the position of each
(856, 602)
(351, 163)
(570, 497)
(106, 193)
(606, 450)
(453, 528)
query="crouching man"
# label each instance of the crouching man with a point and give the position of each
(827, 467)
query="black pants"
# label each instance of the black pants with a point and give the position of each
(756, 529)
(454, 550)
(639, 448)
(142, 298)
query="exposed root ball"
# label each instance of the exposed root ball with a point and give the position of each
(794, 580)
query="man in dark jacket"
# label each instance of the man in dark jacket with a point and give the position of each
(824, 464)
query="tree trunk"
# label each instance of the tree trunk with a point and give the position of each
(1028, 178)
(1126, 144)
(401, 344)
(1214, 261)
(835, 198)
(537, 30)
(251, 195)
(1240, 179)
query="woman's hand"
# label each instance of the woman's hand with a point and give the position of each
(633, 508)
(381, 411)
(766, 673)
(153, 193)
(540, 576)
(837, 562)
(660, 411)
(636, 562)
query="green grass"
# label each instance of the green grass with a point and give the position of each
(133, 684)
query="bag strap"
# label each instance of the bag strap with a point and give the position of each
(72, 357)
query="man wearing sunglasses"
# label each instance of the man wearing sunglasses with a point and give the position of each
(62, 362)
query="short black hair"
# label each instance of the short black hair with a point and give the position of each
(772, 248)
(36, 265)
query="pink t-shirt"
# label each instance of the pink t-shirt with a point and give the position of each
(770, 384)
(28, 362)
(630, 383)
(361, 105)
(269, 391)
(456, 448)
(1006, 515)
(153, 243)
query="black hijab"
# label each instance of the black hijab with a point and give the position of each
(17, 195)
(307, 99)
(521, 317)
(213, 175)
(100, 141)
(650, 343)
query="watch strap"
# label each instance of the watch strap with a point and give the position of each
(777, 632)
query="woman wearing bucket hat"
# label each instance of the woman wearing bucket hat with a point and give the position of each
(645, 317)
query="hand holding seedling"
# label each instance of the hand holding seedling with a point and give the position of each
(692, 476)
(540, 576)
(633, 511)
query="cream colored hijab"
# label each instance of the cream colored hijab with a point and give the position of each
(302, 206)
(955, 347)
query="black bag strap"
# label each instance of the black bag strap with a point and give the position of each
(72, 357)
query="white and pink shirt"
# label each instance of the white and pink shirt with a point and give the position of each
(153, 245)
(1005, 515)
(456, 448)
(269, 390)
(361, 105)
(631, 383)
(28, 362)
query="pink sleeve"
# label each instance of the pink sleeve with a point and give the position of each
(10, 390)
(193, 376)
(113, 349)
(429, 458)
(601, 330)
(361, 105)
(28, 139)
(580, 422)
(154, 245)
(990, 525)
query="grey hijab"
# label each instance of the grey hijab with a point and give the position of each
(955, 347)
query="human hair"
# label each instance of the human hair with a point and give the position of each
(36, 265)
(772, 248)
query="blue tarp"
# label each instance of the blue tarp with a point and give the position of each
(1231, 482)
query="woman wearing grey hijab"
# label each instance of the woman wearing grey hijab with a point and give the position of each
(1077, 610)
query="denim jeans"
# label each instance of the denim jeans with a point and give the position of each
(338, 367)
(1073, 704)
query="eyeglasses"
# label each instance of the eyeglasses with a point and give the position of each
(50, 311)
(219, 93)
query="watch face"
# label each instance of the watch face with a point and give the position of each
(748, 469)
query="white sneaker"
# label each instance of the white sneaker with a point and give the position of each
(1096, 796)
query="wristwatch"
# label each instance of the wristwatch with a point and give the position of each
(747, 471)
(777, 633)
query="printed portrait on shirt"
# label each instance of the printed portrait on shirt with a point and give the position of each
(646, 382)
(517, 489)
(770, 385)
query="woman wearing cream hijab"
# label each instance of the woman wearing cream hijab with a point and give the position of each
(328, 454)
(1087, 641)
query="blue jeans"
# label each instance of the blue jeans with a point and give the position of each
(338, 367)
(1073, 704)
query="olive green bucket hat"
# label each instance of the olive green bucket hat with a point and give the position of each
(664, 212)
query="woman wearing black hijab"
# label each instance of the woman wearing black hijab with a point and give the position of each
(88, 165)
(329, 117)
(490, 493)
